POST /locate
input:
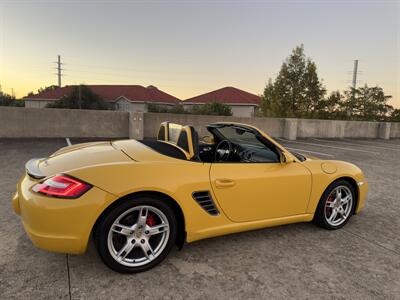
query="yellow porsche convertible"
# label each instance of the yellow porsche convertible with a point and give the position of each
(140, 198)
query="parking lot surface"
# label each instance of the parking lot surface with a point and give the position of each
(360, 261)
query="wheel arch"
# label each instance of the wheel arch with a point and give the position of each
(353, 183)
(172, 203)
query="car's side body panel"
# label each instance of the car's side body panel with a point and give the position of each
(259, 191)
(178, 180)
(322, 179)
(59, 225)
(122, 168)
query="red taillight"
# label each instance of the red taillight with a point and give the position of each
(62, 186)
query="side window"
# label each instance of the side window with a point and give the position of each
(264, 154)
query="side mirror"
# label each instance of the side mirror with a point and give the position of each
(284, 159)
(208, 139)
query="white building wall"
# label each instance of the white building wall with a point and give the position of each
(242, 110)
(125, 105)
(37, 103)
(237, 110)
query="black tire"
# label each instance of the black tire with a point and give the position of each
(320, 218)
(104, 226)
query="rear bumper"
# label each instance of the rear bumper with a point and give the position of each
(58, 225)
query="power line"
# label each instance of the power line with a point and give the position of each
(165, 71)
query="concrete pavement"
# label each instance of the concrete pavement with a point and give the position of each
(360, 261)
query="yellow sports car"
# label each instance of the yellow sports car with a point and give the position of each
(139, 198)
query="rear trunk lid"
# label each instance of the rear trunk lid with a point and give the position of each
(76, 156)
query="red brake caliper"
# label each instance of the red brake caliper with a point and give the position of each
(150, 220)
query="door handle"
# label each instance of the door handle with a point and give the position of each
(224, 183)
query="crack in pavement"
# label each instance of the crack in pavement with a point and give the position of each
(371, 242)
(68, 276)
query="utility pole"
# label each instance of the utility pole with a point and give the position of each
(59, 70)
(12, 92)
(354, 86)
(355, 74)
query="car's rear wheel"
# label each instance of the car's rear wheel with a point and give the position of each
(136, 235)
(336, 205)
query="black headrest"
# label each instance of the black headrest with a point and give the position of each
(163, 131)
(183, 140)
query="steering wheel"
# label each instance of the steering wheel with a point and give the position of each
(223, 150)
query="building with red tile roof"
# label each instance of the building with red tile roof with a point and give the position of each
(137, 98)
(242, 103)
(123, 97)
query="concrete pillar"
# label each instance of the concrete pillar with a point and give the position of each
(384, 130)
(136, 125)
(290, 129)
(340, 126)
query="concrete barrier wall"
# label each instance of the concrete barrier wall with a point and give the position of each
(395, 130)
(273, 126)
(356, 129)
(17, 122)
(320, 128)
(47, 122)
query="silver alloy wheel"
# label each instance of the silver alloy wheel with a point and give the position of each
(338, 206)
(132, 241)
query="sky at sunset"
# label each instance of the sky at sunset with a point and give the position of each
(188, 48)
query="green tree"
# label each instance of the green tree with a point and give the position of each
(212, 108)
(332, 107)
(151, 107)
(8, 100)
(296, 91)
(176, 109)
(48, 88)
(395, 116)
(367, 103)
(314, 91)
(81, 97)
(267, 100)
(45, 89)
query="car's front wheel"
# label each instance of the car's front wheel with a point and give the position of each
(136, 235)
(336, 205)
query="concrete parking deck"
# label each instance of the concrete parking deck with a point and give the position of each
(360, 261)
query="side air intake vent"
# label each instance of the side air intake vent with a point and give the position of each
(206, 202)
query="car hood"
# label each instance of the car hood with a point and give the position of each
(302, 156)
(311, 157)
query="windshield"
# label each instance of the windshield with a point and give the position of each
(240, 136)
(248, 145)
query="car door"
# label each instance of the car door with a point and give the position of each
(258, 191)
